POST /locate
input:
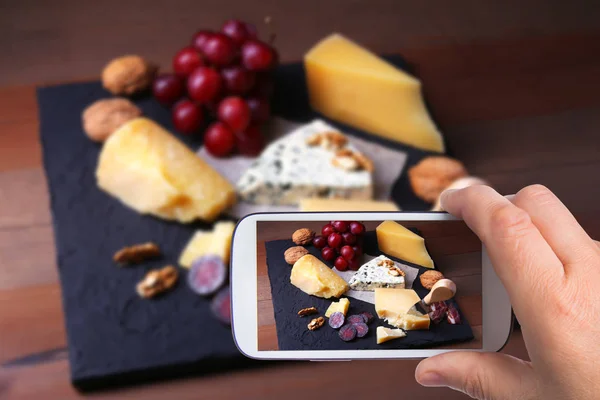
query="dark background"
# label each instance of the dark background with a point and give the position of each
(514, 84)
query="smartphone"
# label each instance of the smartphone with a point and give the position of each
(363, 285)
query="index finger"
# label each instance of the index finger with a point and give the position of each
(522, 259)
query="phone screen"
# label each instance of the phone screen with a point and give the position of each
(359, 285)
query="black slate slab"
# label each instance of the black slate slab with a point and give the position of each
(113, 336)
(292, 333)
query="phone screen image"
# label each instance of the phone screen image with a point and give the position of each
(368, 285)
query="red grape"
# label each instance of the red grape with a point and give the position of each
(357, 251)
(327, 230)
(200, 38)
(236, 30)
(341, 264)
(328, 253)
(237, 79)
(187, 116)
(186, 61)
(167, 89)
(219, 49)
(249, 142)
(319, 242)
(263, 85)
(354, 264)
(204, 84)
(357, 228)
(334, 240)
(234, 112)
(257, 55)
(347, 252)
(219, 140)
(260, 110)
(349, 238)
(340, 226)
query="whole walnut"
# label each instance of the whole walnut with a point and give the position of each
(434, 174)
(101, 118)
(128, 75)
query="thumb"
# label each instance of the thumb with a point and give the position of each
(479, 375)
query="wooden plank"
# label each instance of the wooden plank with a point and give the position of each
(31, 320)
(27, 257)
(24, 199)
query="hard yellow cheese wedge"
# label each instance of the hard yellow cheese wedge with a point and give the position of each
(313, 277)
(396, 307)
(397, 241)
(151, 171)
(350, 84)
(386, 334)
(346, 205)
(338, 306)
(217, 242)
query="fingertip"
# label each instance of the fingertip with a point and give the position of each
(425, 375)
(445, 198)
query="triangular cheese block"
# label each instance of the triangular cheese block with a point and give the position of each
(293, 168)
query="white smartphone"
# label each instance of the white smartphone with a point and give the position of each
(346, 291)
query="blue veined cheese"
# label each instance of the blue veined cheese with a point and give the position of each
(380, 272)
(292, 168)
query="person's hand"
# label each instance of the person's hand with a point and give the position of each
(551, 270)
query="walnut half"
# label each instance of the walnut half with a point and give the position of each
(316, 323)
(157, 281)
(137, 253)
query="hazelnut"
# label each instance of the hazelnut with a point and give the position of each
(303, 236)
(103, 117)
(128, 75)
(429, 278)
(434, 174)
(293, 254)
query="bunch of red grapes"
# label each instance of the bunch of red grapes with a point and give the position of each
(341, 243)
(224, 75)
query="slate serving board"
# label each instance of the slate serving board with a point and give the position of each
(292, 333)
(113, 336)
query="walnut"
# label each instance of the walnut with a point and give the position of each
(137, 253)
(429, 278)
(128, 75)
(434, 174)
(157, 281)
(352, 160)
(293, 254)
(307, 311)
(103, 117)
(329, 140)
(316, 323)
(303, 236)
(395, 271)
(386, 263)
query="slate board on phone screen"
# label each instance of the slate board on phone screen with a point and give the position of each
(292, 333)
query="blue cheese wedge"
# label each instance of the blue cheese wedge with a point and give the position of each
(380, 272)
(313, 161)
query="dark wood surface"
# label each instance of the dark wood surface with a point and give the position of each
(515, 86)
(455, 250)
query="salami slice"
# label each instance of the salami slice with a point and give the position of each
(207, 274)
(438, 311)
(221, 306)
(367, 317)
(453, 315)
(336, 320)
(355, 319)
(361, 329)
(347, 332)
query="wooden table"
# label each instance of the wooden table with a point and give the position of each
(515, 86)
(453, 247)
